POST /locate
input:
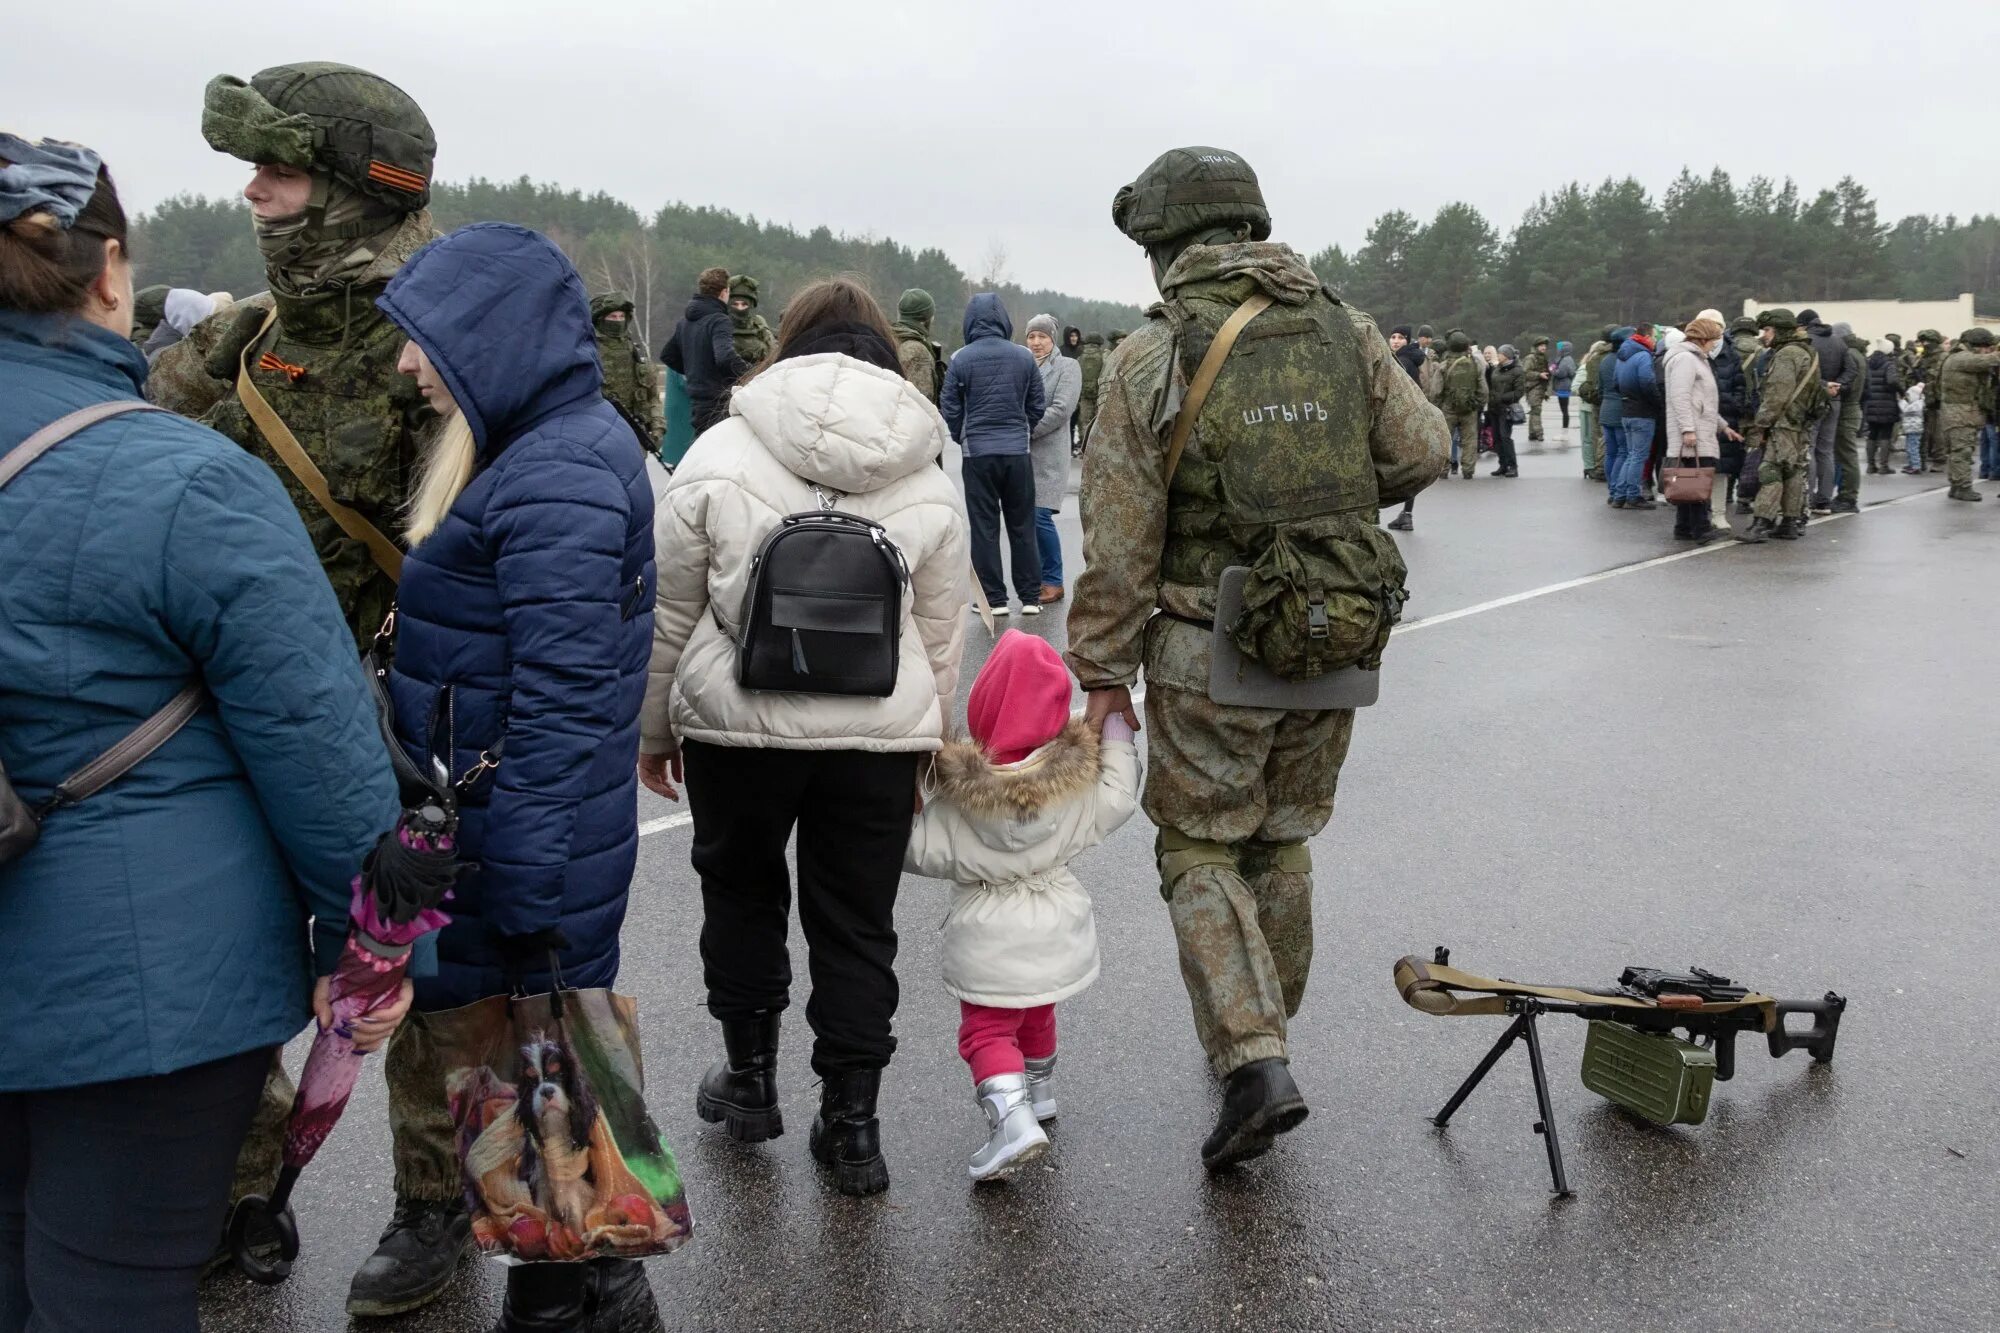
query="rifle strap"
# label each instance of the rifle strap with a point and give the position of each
(387, 555)
(1205, 375)
(1430, 987)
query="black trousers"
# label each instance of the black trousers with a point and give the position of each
(852, 812)
(1691, 520)
(997, 485)
(1503, 435)
(112, 1195)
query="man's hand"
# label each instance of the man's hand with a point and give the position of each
(1100, 704)
(655, 768)
(1731, 435)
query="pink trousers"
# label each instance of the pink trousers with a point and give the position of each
(998, 1041)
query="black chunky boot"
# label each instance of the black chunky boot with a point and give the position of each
(1789, 529)
(1259, 1102)
(415, 1260)
(741, 1092)
(847, 1137)
(598, 1296)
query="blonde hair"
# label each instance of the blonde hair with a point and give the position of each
(443, 474)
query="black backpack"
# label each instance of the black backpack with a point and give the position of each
(824, 610)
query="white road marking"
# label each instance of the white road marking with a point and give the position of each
(682, 820)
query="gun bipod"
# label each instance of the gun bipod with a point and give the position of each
(1525, 1010)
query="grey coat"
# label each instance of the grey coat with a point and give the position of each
(1048, 442)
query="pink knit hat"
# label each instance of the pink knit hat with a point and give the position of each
(1020, 702)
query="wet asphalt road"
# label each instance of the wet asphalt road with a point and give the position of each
(1772, 761)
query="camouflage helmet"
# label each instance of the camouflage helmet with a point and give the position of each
(1894, 340)
(1931, 336)
(322, 116)
(743, 286)
(605, 303)
(1743, 324)
(1456, 341)
(1189, 190)
(1977, 337)
(1777, 318)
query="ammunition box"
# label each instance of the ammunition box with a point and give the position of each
(1660, 1077)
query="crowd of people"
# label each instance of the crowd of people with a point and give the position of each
(447, 448)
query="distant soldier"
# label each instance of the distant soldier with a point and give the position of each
(1092, 361)
(1966, 404)
(1537, 369)
(919, 354)
(754, 339)
(631, 380)
(1309, 427)
(1789, 407)
(1462, 397)
(1112, 339)
(1847, 444)
(149, 307)
(305, 377)
(1590, 391)
(1931, 352)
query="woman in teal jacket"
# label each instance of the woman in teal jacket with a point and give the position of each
(154, 942)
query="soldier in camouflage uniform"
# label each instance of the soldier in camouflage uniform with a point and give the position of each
(754, 339)
(1931, 352)
(917, 352)
(149, 307)
(1461, 397)
(1965, 404)
(1236, 792)
(1537, 367)
(1790, 400)
(1092, 364)
(1847, 439)
(354, 154)
(630, 378)
(1112, 339)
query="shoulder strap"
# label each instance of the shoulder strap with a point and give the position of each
(53, 434)
(1204, 376)
(387, 555)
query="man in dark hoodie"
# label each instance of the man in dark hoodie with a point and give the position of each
(702, 349)
(992, 395)
(1831, 349)
(1408, 355)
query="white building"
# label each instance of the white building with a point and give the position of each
(1873, 319)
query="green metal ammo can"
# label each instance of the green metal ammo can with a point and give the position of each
(1655, 1075)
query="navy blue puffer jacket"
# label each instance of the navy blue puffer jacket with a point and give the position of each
(525, 619)
(993, 390)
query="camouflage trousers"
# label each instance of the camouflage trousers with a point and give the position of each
(1235, 793)
(1538, 395)
(1934, 441)
(423, 1144)
(1781, 477)
(1591, 435)
(1847, 453)
(1466, 428)
(1086, 412)
(1961, 451)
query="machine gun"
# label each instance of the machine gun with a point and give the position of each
(1631, 1055)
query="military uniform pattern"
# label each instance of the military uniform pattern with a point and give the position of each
(423, 1144)
(1536, 364)
(754, 338)
(1965, 397)
(920, 363)
(631, 381)
(1781, 427)
(1929, 366)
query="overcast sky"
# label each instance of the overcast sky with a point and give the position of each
(965, 126)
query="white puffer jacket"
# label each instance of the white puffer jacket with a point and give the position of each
(1019, 932)
(851, 428)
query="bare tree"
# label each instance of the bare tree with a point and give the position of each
(993, 265)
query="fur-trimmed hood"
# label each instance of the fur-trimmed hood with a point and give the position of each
(1013, 805)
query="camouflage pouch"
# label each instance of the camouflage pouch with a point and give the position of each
(1321, 596)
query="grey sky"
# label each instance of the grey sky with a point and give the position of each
(960, 125)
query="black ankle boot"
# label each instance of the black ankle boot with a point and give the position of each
(415, 1260)
(545, 1298)
(741, 1092)
(1259, 1102)
(846, 1135)
(1789, 529)
(621, 1300)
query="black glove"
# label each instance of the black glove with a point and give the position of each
(523, 954)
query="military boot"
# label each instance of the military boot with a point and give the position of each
(415, 1260)
(1963, 493)
(846, 1136)
(1402, 522)
(1760, 530)
(741, 1092)
(1790, 529)
(1259, 1102)
(1846, 506)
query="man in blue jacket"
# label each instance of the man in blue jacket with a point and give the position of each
(992, 396)
(702, 349)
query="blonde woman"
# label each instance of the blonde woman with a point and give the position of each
(523, 628)
(1694, 425)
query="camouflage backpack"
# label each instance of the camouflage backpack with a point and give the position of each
(1277, 475)
(1461, 384)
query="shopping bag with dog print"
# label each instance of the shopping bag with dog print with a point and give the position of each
(559, 1156)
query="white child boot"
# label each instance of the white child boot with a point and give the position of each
(1042, 1088)
(1017, 1137)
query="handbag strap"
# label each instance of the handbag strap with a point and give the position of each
(1205, 375)
(387, 555)
(156, 730)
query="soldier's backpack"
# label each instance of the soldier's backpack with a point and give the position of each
(1269, 466)
(1462, 375)
(823, 612)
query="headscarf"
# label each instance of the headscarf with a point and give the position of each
(50, 176)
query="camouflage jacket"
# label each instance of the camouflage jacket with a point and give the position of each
(1091, 362)
(327, 367)
(1124, 496)
(1785, 398)
(754, 339)
(1929, 366)
(1536, 365)
(922, 361)
(1748, 347)
(632, 382)
(1966, 389)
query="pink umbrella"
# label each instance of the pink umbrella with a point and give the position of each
(396, 899)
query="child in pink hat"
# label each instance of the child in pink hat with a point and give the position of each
(1012, 806)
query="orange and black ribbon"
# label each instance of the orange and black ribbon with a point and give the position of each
(269, 361)
(396, 178)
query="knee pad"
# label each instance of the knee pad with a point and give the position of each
(1178, 854)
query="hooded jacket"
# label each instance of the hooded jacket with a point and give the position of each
(993, 393)
(163, 922)
(1610, 403)
(1411, 358)
(1882, 392)
(523, 620)
(702, 348)
(1563, 371)
(1019, 931)
(1831, 349)
(1639, 390)
(867, 435)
